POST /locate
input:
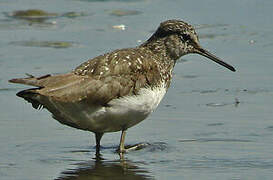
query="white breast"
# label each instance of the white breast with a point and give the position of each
(143, 104)
(130, 110)
(127, 111)
(122, 113)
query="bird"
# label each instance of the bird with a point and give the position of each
(119, 89)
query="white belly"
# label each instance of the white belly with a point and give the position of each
(121, 114)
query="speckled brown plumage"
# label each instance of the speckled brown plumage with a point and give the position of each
(94, 95)
(132, 69)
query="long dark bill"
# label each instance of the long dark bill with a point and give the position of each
(207, 54)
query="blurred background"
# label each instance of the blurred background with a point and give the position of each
(212, 124)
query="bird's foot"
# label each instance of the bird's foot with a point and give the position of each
(134, 147)
(129, 148)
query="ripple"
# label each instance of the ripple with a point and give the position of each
(157, 146)
(79, 151)
(9, 89)
(211, 36)
(235, 91)
(234, 163)
(219, 163)
(209, 91)
(7, 165)
(189, 76)
(269, 128)
(204, 140)
(210, 26)
(222, 104)
(215, 124)
(217, 104)
(254, 91)
(126, 1)
(170, 106)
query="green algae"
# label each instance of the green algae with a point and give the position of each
(32, 13)
(120, 12)
(50, 44)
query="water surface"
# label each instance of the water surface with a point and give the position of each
(212, 124)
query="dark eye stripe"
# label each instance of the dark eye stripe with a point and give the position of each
(185, 37)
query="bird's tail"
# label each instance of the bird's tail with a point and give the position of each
(31, 80)
(31, 95)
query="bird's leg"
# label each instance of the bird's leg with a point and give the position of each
(122, 148)
(121, 144)
(98, 138)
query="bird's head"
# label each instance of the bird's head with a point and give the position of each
(180, 39)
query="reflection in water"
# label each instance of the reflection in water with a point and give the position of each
(100, 168)
(103, 169)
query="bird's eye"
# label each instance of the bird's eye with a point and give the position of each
(185, 37)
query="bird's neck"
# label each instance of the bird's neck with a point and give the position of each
(165, 47)
(157, 46)
(165, 61)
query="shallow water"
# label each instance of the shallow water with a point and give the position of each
(212, 124)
